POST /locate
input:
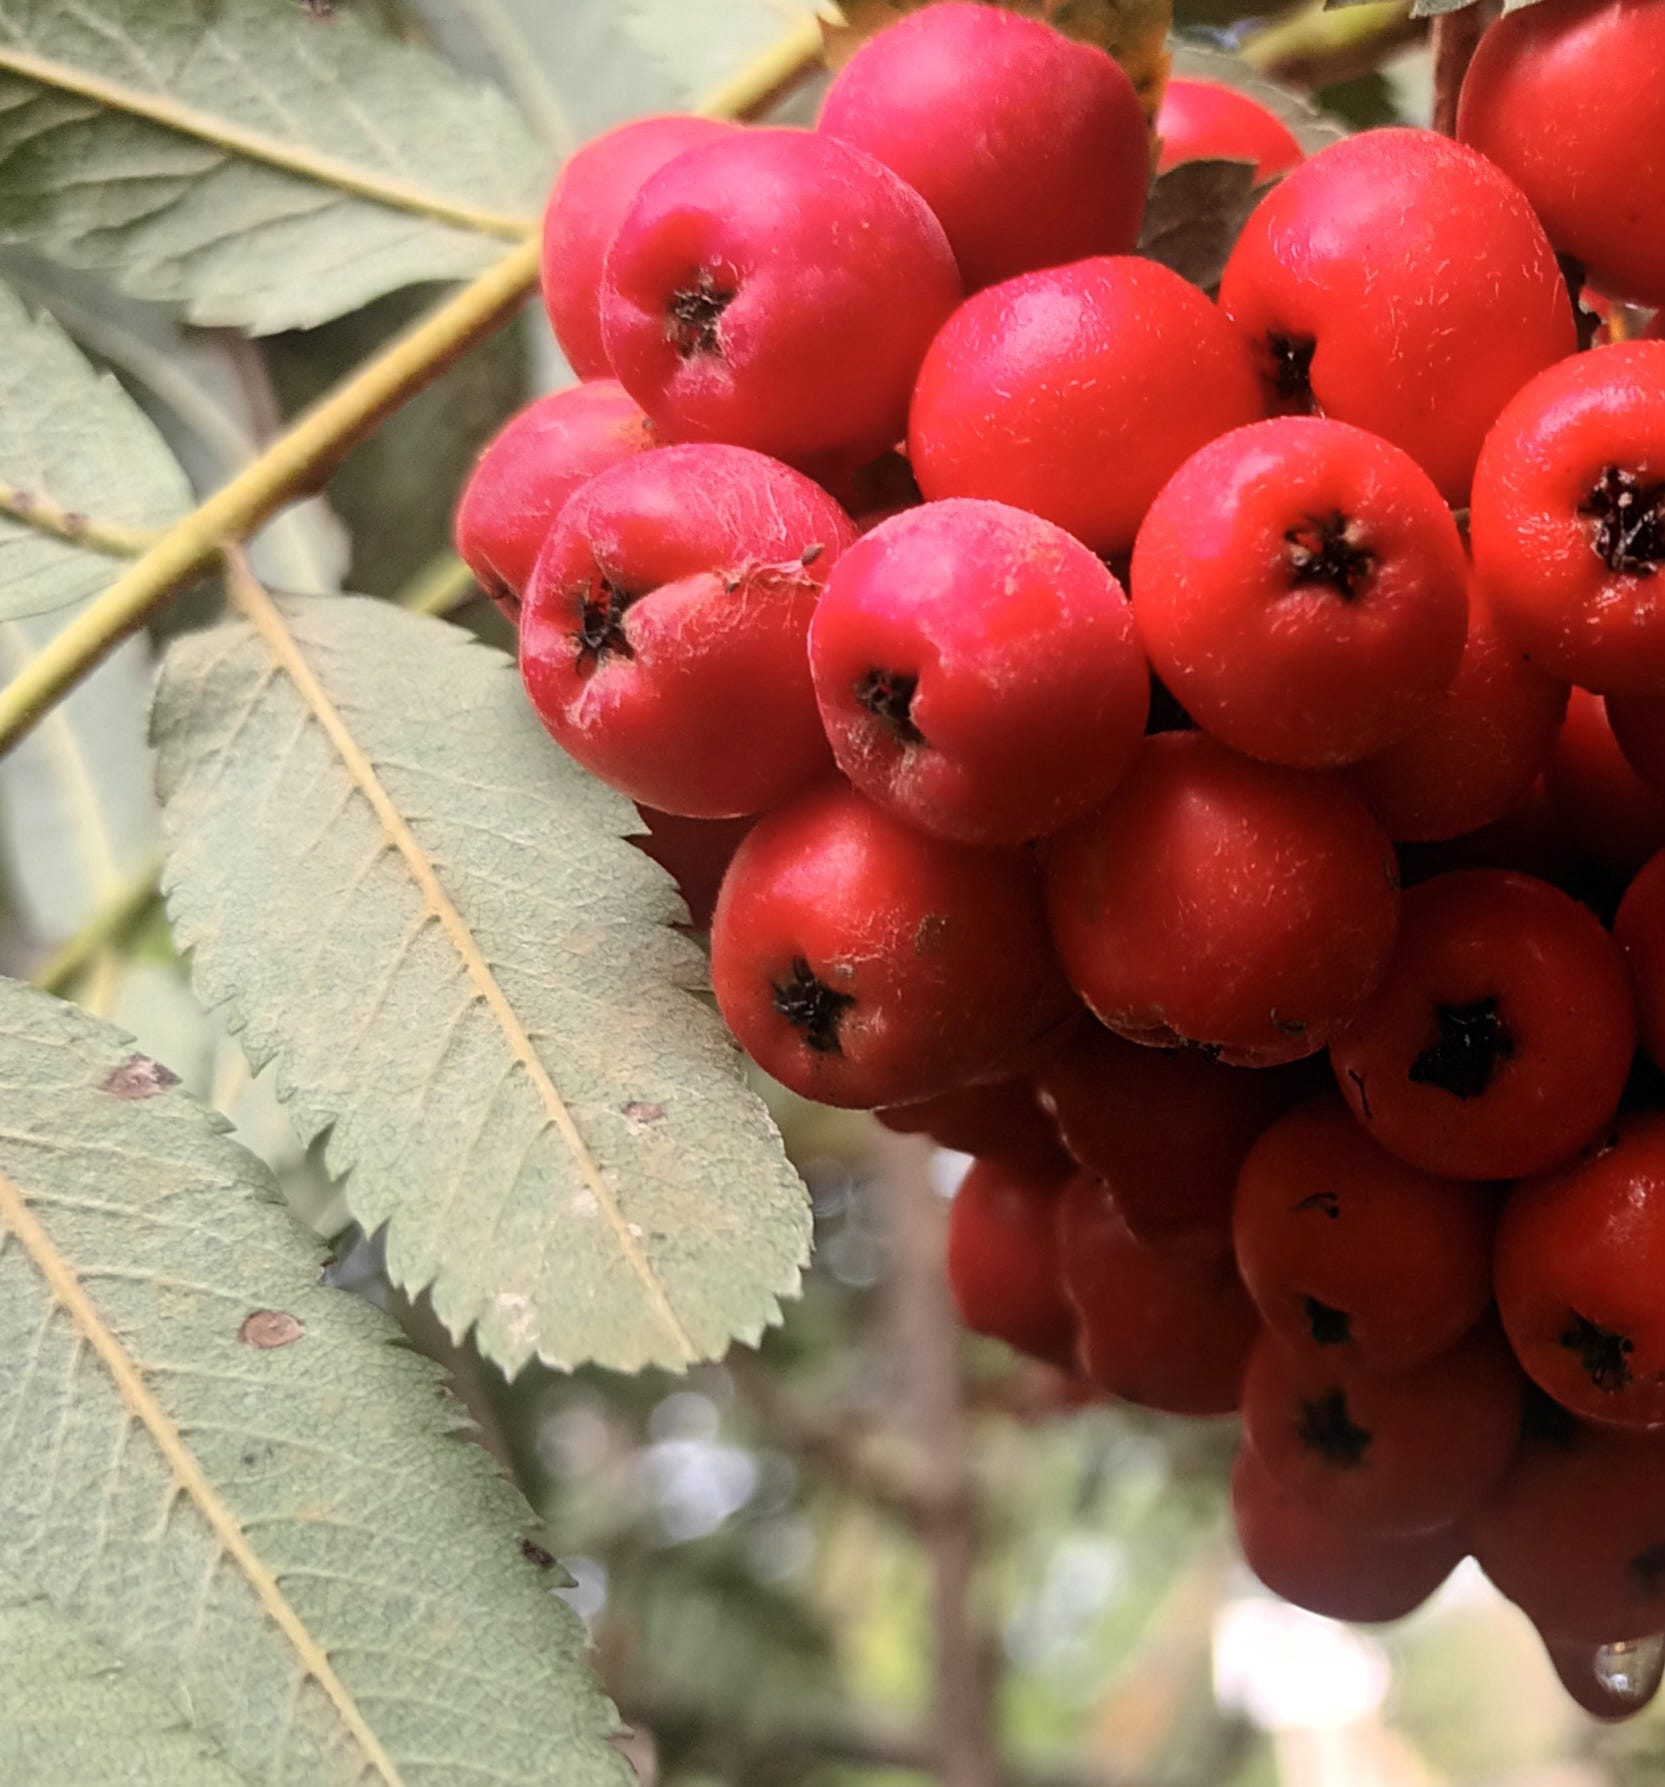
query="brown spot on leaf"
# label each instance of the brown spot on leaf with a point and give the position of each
(268, 1328)
(639, 1114)
(536, 1554)
(138, 1077)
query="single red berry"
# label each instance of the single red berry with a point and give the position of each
(1475, 758)
(1208, 121)
(1638, 727)
(1165, 1129)
(977, 672)
(1580, 1259)
(1352, 1255)
(1568, 521)
(527, 471)
(663, 641)
(1031, 148)
(1575, 1534)
(1003, 1262)
(1398, 281)
(1329, 1569)
(1167, 1328)
(695, 852)
(1602, 806)
(777, 289)
(1301, 589)
(1220, 901)
(1385, 1452)
(1076, 392)
(1639, 927)
(1567, 100)
(1001, 1123)
(592, 192)
(862, 963)
(1500, 1038)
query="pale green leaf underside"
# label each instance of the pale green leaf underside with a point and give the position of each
(71, 1710)
(432, 922)
(265, 167)
(228, 1477)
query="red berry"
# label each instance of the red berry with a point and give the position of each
(1030, 148)
(1351, 1254)
(1400, 282)
(1385, 1452)
(1330, 1569)
(1639, 927)
(1207, 121)
(1596, 798)
(663, 638)
(527, 471)
(977, 672)
(1165, 1129)
(1580, 1259)
(1302, 591)
(1167, 1328)
(1477, 755)
(696, 852)
(777, 289)
(1003, 1262)
(1638, 726)
(1221, 901)
(1076, 392)
(1568, 522)
(1499, 1041)
(1567, 100)
(594, 189)
(865, 964)
(1002, 1124)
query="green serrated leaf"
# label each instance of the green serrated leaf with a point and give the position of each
(1196, 213)
(225, 1475)
(428, 917)
(1311, 128)
(267, 167)
(1431, 9)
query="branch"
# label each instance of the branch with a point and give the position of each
(1315, 48)
(1456, 36)
(110, 538)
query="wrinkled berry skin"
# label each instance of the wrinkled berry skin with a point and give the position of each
(663, 637)
(1076, 393)
(1220, 901)
(1568, 523)
(592, 192)
(529, 469)
(777, 290)
(865, 964)
(947, 99)
(1568, 101)
(1399, 282)
(1301, 588)
(977, 672)
(1003, 1261)
(1208, 121)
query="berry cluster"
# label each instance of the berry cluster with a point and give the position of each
(1065, 671)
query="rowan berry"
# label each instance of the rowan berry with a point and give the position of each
(1209, 121)
(1003, 1261)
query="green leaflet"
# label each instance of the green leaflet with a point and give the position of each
(225, 1476)
(427, 915)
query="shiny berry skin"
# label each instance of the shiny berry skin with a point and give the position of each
(527, 471)
(1352, 1255)
(1002, 1124)
(1003, 1262)
(1568, 520)
(1076, 392)
(1477, 755)
(1301, 589)
(1386, 1452)
(663, 636)
(1208, 121)
(1639, 927)
(1575, 1535)
(1399, 282)
(1167, 1328)
(1568, 102)
(1165, 1129)
(1030, 148)
(592, 192)
(1329, 1569)
(977, 672)
(1499, 1041)
(1580, 1259)
(865, 964)
(1602, 806)
(1220, 901)
(777, 289)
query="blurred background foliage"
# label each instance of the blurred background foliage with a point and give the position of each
(772, 1553)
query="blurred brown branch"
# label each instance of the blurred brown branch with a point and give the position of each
(1456, 36)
